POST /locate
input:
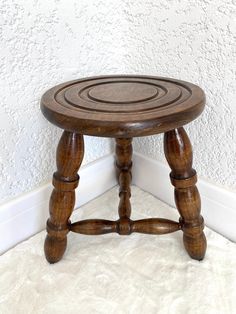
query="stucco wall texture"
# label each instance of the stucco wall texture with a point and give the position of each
(193, 41)
(44, 43)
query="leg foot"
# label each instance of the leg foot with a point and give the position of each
(178, 152)
(196, 247)
(70, 152)
(54, 248)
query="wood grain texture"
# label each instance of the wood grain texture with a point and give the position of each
(122, 105)
(178, 152)
(123, 169)
(94, 226)
(148, 226)
(70, 153)
(155, 226)
(123, 165)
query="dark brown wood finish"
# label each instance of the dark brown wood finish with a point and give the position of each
(124, 107)
(102, 226)
(70, 153)
(124, 177)
(178, 151)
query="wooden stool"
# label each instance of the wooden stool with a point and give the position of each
(124, 107)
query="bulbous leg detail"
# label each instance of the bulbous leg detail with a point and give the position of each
(124, 176)
(70, 153)
(178, 152)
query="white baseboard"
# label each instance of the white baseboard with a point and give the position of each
(218, 204)
(26, 215)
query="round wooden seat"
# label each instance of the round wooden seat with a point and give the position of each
(122, 106)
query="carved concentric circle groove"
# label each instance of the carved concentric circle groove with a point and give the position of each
(123, 105)
(121, 96)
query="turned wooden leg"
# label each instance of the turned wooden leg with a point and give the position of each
(178, 152)
(124, 176)
(70, 153)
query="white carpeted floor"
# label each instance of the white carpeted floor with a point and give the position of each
(120, 274)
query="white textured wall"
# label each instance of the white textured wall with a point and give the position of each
(192, 40)
(42, 44)
(47, 42)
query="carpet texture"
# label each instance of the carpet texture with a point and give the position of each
(120, 274)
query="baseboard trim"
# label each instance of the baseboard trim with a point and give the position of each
(26, 215)
(218, 204)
